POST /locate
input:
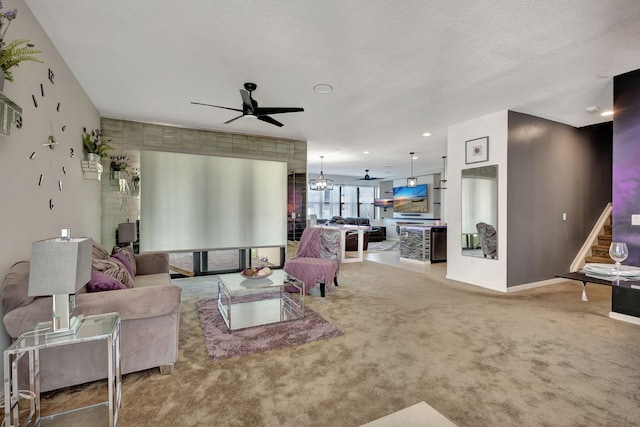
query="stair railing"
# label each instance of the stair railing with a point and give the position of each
(585, 250)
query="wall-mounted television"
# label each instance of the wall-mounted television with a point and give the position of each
(410, 200)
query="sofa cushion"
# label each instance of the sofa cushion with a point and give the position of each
(125, 261)
(151, 263)
(136, 303)
(128, 252)
(113, 268)
(103, 282)
(15, 290)
(144, 280)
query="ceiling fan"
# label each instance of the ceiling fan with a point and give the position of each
(366, 176)
(250, 107)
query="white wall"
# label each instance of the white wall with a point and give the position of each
(483, 272)
(25, 214)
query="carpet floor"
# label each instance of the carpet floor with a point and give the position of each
(539, 357)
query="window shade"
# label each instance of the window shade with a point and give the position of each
(198, 202)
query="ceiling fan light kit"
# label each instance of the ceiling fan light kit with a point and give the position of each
(412, 181)
(250, 107)
(321, 183)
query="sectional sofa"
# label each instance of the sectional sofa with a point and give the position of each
(149, 310)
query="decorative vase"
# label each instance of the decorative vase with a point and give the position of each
(93, 157)
(116, 174)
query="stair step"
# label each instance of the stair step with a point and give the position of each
(598, 259)
(600, 250)
(604, 240)
(608, 229)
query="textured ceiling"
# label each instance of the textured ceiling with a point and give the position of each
(398, 68)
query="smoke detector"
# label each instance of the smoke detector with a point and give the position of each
(592, 109)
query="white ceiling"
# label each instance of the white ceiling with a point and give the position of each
(398, 68)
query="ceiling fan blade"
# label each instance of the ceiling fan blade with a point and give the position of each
(367, 178)
(235, 118)
(270, 120)
(217, 106)
(277, 110)
(246, 100)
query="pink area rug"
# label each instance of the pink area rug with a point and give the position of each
(223, 345)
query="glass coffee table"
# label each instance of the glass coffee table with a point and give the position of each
(244, 303)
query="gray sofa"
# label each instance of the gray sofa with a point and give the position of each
(149, 312)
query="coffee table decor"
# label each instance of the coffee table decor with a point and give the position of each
(256, 273)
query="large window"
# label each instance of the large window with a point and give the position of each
(343, 200)
(365, 202)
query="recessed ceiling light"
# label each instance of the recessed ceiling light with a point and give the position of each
(415, 157)
(365, 152)
(592, 109)
(426, 134)
(607, 113)
(323, 88)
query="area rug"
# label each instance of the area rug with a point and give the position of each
(221, 344)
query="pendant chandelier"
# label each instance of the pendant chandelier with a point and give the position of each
(321, 183)
(443, 175)
(412, 181)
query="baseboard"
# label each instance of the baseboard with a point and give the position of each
(624, 317)
(532, 285)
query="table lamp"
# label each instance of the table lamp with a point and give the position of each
(126, 233)
(60, 267)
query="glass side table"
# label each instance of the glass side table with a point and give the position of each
(98, 327)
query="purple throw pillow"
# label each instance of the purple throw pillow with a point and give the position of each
(103, 282)
(125, 261)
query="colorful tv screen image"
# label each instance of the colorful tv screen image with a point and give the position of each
(410, 199)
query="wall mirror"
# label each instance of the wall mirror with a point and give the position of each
(480, 212)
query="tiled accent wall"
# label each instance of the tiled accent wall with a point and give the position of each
(130, 137)
(414, 243)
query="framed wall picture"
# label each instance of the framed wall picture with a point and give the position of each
(477, 150)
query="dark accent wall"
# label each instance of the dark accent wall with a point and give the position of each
(553, 169)
(626, 180)
(626, 162)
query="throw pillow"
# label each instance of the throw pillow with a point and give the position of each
(123, 259)
(99, 252)
(103, 282)
(113, 268)
(128, 252)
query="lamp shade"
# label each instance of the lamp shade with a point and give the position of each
(126, 232)
(59, 266)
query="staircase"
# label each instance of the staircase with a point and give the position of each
(596, 246)
(600, 251)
